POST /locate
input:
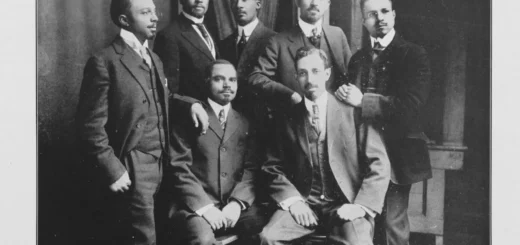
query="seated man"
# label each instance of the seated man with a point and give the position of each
(326, 171)
(213, 174)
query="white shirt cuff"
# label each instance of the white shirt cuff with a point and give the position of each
(285, 204)
(368, 211)
(204, 209)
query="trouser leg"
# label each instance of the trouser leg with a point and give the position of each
(282, 229)
(394, 225)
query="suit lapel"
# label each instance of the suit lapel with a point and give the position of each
(299, 124)
(132, 63)
(296, 38)
(252, 42)
(192, 37)
(214, 123)
(232, 123)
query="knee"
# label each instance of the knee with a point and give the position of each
(267, 236)
(206, 238)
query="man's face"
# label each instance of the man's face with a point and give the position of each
(379, 17)
(142, 19)
(312, 10)
(312, 75)
(195, 8)
(245, 10)
(223, 83)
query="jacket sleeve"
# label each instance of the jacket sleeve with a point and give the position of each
(166, 47)
(185, 183)
(405, 105)
(264, 78)
(91, 118)
(279, 187)
(375, 165)
(245, 189)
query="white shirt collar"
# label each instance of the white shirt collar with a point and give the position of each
(385, 41)
(307, 28)
(320, 101)
(132, 41)
(193, 18)
(248, 29)
(218, 107)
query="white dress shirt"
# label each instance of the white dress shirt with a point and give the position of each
(247, 30)
(218, 107)
(133, 42)
(211, 46)
(385, 41)
(307, 28)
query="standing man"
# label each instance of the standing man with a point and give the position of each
(187, 48)
(213, 175)
(273, 75)
(326, 172)
(123, 123)
(390, 84)
(242, 48)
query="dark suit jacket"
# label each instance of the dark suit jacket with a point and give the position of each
(244, 64)
(274, 73)
(357, 157)
(215, 167)
(185, 56)
(402, 73)
(113, 106)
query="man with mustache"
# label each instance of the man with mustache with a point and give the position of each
(242, 48)
(273, 75)
(187, 48)
(390, 83)
(213, 175)
(325, 170)
(123, 127)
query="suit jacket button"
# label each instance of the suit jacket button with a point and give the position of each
(223, 149)
(144, 101)
(224, 175)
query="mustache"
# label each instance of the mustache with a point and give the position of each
(226, 91)
(313, 7)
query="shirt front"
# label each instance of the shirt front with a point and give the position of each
(247, 30)
(211, 46)
(321, 101)
(218, 107)
(385, 41)
(132, 41)
(307, 28)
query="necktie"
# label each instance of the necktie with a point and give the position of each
(315, 38)
(222, 119)
(146, 56)
(241, 44)
(316, 118)
(376, 50)
(205, 34)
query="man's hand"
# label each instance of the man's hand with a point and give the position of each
(122, 184)
(199, 115)
(349, 94)
(296, 98)
(232, 212)
(215, 218)
(303, 214)
(349, 212)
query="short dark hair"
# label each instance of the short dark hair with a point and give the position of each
(362, 3)
(209, 68)
(119, 7)
(310, 50)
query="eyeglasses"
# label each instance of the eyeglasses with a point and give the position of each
(376, 14)
(304, 74)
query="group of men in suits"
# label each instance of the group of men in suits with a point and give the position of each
(333, 140)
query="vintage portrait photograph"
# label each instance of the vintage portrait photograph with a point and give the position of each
(264, 122)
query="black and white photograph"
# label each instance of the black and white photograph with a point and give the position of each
(264, 122)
